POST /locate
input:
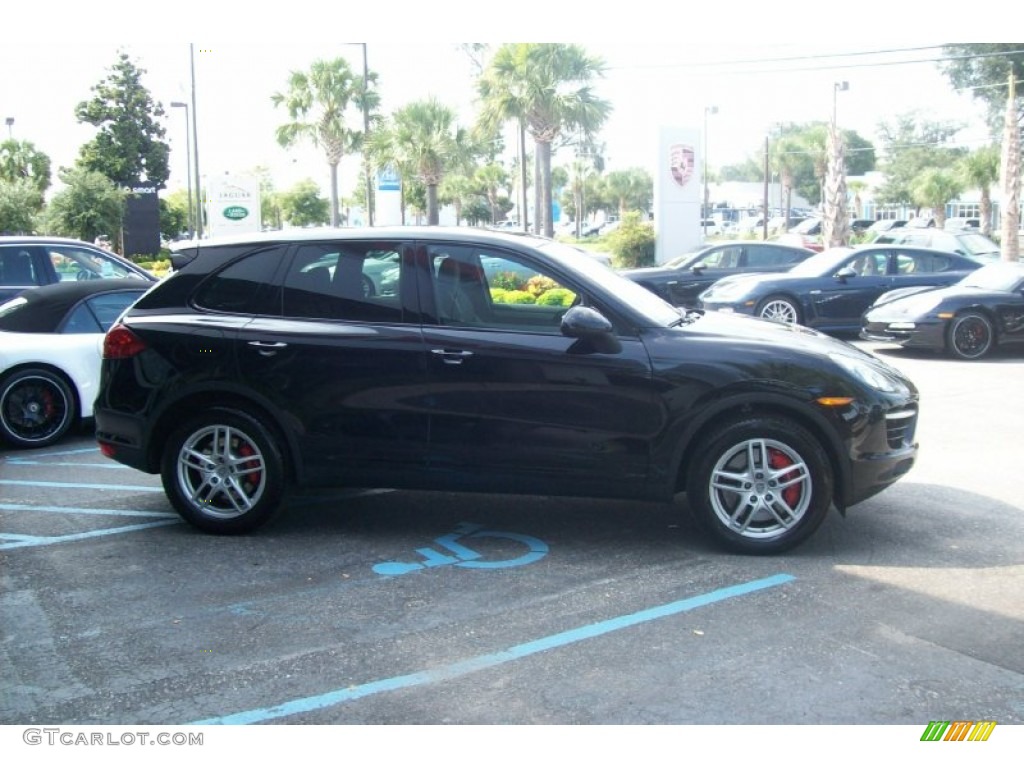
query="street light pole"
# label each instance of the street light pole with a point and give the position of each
(195, 148)
(704, 208)
(839, 85)
(188, 167)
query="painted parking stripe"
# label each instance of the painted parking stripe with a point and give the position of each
(18, 542)
(85, 511)
(88, 464)
(94, 486)
(478, 663)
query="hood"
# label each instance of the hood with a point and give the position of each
(916, 304)
(727, 328)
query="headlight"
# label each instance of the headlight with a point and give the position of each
(874, 376)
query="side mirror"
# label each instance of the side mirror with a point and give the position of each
(591, 328)
(846, 273)
(699, 267)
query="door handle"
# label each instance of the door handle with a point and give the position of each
(268, 348)
(452, 356)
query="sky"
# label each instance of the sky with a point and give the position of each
(743, 70)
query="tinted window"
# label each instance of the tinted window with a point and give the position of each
(351, 281)
(244, 286)
(73, 263)
(868, 264)
(921, 263)
(769, 256)
(496, 290)
(725, 258)
(98, 313)
(17, 267)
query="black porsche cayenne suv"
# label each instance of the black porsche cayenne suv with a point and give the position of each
(462, 359)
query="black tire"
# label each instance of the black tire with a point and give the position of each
(224, 472)
(970, 336)
(369, 289)
(37, 407)
(781, 309)
(760, 485)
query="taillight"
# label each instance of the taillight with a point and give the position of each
(120, 343)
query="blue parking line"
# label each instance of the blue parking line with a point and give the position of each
(478, 663)
(19, 542)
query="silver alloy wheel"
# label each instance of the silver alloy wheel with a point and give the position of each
(760, 488)
(780, 310)
(221, 471)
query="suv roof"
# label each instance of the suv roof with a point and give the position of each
(967, 243)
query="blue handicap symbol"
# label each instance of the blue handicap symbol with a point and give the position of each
(464, 557)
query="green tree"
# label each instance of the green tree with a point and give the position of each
(89, 205)
(985, 69)
(20, 203)
(547, 86)
(174, 214)
(934, 188)
(633, 242)
(21, 160)
(912, 146)
(630, 190)
(493, 178)
(980, 170)
(424, 140)
(321, 104)
(302, 205)
(129, 146)
(457, 190)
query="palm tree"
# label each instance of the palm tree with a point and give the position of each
(1009, 173)
(836, 223)
(317, 103)
(493, 178)
(934, 188)
(788, 156)
(980, 170)
(548, 87)
(423, 140)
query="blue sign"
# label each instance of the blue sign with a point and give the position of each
(388, 180)
(464, 557)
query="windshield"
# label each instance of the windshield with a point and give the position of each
(682, 261)
(977, 244)
(821, 264)
(995, 277)
(655, 309)
(804, 227)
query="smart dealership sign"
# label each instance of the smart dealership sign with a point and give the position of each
(233, 205)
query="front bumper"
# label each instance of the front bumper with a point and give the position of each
(929, 335)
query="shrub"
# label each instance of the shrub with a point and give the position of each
(557, 297)
(510, 281)
(632, 243)
(518, 297)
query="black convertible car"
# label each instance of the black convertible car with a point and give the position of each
(831, 290)
(966, 320)
(681, 280)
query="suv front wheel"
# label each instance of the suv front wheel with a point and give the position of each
(761, 485)
(223, 472)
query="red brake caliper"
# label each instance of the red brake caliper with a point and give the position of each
(246, 450)
(778, 460)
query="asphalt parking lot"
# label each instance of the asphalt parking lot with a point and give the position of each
(384, 607)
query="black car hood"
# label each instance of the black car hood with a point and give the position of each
(925, 302)
(728, 329)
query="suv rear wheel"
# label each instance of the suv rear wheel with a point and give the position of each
(223, 472)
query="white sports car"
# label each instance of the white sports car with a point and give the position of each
(51, 342)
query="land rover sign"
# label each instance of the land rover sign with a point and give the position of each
(234, 205)
(235, 212)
